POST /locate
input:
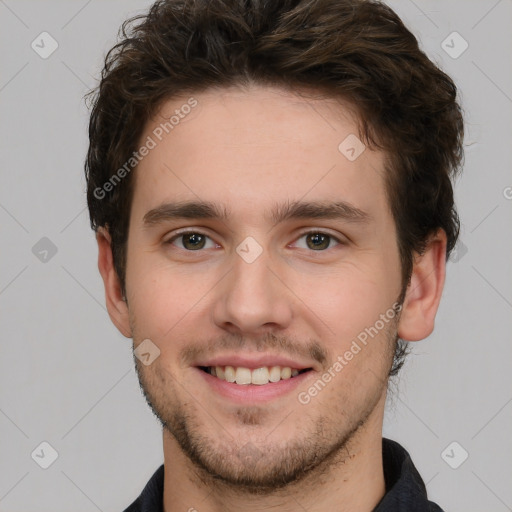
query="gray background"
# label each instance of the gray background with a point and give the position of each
(66, 374)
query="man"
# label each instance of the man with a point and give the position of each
(270, 187)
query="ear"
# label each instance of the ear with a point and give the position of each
(116, 304)
(423, 293)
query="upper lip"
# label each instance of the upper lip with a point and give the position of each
(253, 361)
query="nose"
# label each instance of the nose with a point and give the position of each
(253, 298)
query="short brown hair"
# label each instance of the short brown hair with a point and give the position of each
(355, 50)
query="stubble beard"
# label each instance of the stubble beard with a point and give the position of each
(249, 464)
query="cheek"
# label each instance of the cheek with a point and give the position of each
(346, 300)
(161, 298)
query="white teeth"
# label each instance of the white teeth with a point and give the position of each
(229, 374)
(275, 374)
(220, 372)
(243, 375)
(258, 376)
(286, 372)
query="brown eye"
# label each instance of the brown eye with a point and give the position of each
(191, 241)
(317, 241)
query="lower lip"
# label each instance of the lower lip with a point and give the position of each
(244, 393)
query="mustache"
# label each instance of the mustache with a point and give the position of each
(269, 343)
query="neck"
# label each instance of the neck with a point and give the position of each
(351, 480)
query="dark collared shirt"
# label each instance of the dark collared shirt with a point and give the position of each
(405, 490)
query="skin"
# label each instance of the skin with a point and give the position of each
(249, 149)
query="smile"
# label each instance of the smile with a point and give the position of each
(258, 376)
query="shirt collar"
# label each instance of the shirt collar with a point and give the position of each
(405, 490)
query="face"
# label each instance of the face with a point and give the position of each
(277, 293)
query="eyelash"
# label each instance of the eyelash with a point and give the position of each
(305, 233)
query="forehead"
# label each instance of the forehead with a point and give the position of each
(247, 147)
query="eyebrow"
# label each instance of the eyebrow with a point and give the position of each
(279, 213)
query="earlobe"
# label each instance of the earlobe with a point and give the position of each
(424, 291)
(116, 304)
